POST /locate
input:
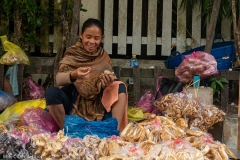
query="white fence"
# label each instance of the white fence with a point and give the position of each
(166, 41)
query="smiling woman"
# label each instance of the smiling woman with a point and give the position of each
(92, 38)
(85, 91)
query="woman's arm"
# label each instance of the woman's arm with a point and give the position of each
(63, 78)
(67, 77)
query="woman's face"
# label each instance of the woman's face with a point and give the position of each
(91, 38)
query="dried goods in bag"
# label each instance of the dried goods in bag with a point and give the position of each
(14, 54)
(198, 63)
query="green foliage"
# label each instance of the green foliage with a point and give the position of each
(217, 85)
(225, 10)
(31, 16)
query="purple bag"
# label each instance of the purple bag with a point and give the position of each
(146, 103)
(40, 119)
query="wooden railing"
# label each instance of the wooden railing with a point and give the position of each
(136, 73)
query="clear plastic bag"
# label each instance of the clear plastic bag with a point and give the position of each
(14, 55)
(40, 119)
(6, 100)
(198, 63)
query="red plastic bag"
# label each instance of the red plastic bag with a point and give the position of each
(40, 119)
(33, 90)
(198, 63)
(146, 103)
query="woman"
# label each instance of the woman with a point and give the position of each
(85, 91)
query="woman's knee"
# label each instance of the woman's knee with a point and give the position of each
(52, 92)
(53, 95)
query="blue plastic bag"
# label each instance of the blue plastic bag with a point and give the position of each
(77, 127)
(6, 100)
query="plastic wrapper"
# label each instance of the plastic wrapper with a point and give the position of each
(17, 109)
(77, 127)
(191, 108)
(14, 55)
(15, 145)
(146, 103)
(212, 115)
(6, 100)
(198, 63)
(135, 114)
(189, 112)
(40, 119)
(181, 144)
(171, 105)
(33, 90)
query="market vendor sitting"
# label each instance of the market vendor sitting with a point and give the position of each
(86, 90)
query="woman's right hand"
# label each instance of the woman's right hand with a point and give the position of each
(80, 73)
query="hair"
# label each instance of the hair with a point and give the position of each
(93, 22)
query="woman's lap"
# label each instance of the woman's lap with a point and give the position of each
(55, 95)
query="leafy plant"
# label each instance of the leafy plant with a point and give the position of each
(217, 85)
(30, 18)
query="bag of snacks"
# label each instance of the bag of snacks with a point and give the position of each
(198, 63)
(40, 119)
(14, 54)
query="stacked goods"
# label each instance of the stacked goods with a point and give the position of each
(198, 115)
(62, 147)
(160, 139)
(157, 138)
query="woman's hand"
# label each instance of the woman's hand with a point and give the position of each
(106, 80)
(80, 73)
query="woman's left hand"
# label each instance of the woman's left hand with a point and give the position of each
(106, 80)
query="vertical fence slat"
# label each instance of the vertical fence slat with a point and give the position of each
(57, 27)
(122, 28)
(152, 27)
(166, 27)
(196, 26)
(44, 31)
(137, 27)
(181, 28)
(136, 83)
(108, 26)
(1, 76)
(226, 29)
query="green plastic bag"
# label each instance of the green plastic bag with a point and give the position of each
(14, 54)
(17, 109)
(135, 114)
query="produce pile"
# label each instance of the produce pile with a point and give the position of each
(182, 105)
(156, 138)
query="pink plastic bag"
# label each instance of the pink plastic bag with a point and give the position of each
(198, 63)
(40, 119)
(33, 90)
(146, 103)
